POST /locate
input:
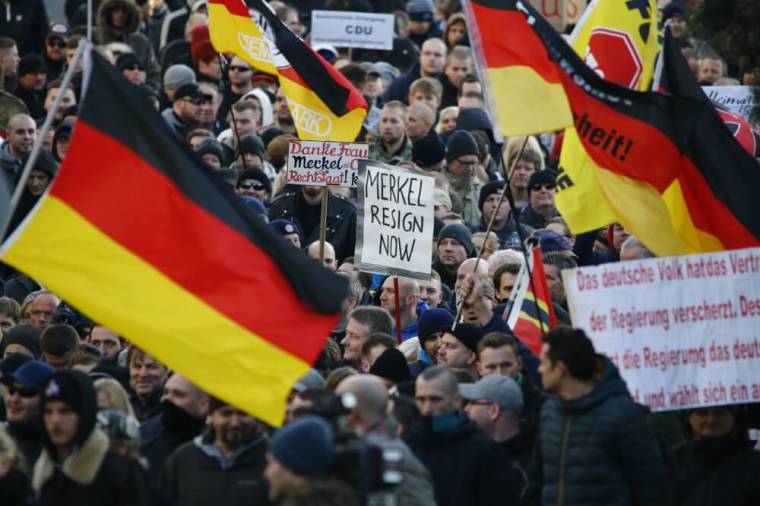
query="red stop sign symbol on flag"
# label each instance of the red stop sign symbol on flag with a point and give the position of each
(613, 55)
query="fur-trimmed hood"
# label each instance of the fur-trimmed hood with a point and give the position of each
(81, 466)
(109, 33)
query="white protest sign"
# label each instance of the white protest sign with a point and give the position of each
(738, 99)
(324, 163)
(684, 331)
(352, 29)
(395, 220)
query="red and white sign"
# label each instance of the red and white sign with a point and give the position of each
(325, 163)
(616, 52)
(684, 331)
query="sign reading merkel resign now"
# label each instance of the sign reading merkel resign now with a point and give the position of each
(684, 331)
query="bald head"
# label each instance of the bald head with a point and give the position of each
(371, 397)
(432, 57)
(329, 256)
(419, 121)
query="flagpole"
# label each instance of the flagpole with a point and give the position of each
(323, 224)
(236, 135)
(396, 298)
(35, 152)
(460, 305)
(89, 20)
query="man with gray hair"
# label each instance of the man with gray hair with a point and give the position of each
(363, 321)
(369, 418)
(633, 249)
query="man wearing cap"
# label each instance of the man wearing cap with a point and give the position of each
(369, 419)
(379, 76)
(21, 395)
(183, 114)
(23, 339)
(174, 77)
(211, 152)
(302, 206)
(55, 49)
(432, 324)
(300, 453)
(421, 25)
(394, 145)
(541, 192)
(130, 68)
(505, 224)
(32, 78)
(22, 132)
(250, 154)
(459, 347)
(224, 465)
(495, 403)
(288, 230)
(464, 462)
(76, 466)
(254, 182)
(428, 153)
(462, 159)
(454, 247)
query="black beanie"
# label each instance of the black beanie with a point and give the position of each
(469, 334)
(460, 233)
(461, 143)
(489, 189)
(428, 151)
(251, 144)
(27, 336)
(76, 390)
(31, 63)
(45, 163)
(258, 175)
(211, 147)
(269, 134)
(391, 365)
(542, 176)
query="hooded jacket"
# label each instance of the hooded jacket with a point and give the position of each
(466, 465)
(599, 450)
(107, 33)
(90, 474)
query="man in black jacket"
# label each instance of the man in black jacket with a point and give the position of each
(464, 462)
(595, 444)
(223, 466)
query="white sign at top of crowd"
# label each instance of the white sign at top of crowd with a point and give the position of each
(683, 331)
(352, 29)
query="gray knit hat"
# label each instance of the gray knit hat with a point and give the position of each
(177, 75)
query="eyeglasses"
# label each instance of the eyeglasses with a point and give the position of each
(537, 186)
(133, 66)
(23, 392)
(254, 185)
(56, 43)
(239, 68)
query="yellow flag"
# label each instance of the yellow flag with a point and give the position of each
(232, 31)
(620, 40)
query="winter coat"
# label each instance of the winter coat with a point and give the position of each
(465, 197)
(532, 218)
(15, 489)
(716, 473)
(399, 88)
(26, 22)
(157, 442)
(403, 154)
(599, 450)
(92, 475)
(139, 43)
(508, 235)
(466, 465)
(341, 220)
(197, 474)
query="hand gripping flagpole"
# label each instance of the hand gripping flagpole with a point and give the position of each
(35, 152)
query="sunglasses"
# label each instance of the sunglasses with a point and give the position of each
(548, 186)
(252, 186)
(23, 392)
(239, 68)
(134, 66)
(56, 43)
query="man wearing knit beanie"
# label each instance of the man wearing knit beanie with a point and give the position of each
(421, 26)
(541, 192)
(224, 465)
(432, 324)
(429, 153)
(175, 76)
(32, 77)
(301, 452)
(459, 347)
(454, 247)
(391, 368)
(505, 223)
(76, 466)
(21, 339)
(462, 159)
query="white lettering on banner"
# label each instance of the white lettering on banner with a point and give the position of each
(309, 120)
(684, 331)
(325, 163)
(352, 29)
(395, 220)
(255, 47)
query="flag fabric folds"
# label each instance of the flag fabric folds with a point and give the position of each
(142, 238)
(522, 83)
(232, 31)
(536, 313)
(323, 103)
(621, 41)
(669, 169)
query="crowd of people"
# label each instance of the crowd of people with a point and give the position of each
(428, 413)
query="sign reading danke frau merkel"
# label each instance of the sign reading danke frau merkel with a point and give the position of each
(324, 163)
(683, 331)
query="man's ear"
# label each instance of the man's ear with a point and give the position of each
(472, 358)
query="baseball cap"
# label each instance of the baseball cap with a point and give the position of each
(33, 375)
(312, 379)
(188, 90)
(496, 388)
(552, 241)
(58, 31)
(383, 69)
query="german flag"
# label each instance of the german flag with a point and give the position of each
(323, 103)
(139, 236)
(232, 31)
(536, 314)
(523, 85)
(674, 148)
